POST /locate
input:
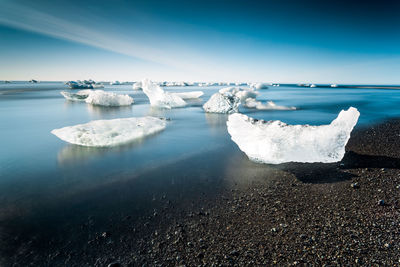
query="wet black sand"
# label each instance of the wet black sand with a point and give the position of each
(345, 213)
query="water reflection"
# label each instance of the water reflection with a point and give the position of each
(240, 172)
(74, 154)
(102, 110)
(217, 122)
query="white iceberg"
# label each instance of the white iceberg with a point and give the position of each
(242, 94)
(253, 103)
(277, 142)
(159, 98)
(99, 97)
(103, 98)
(137, 86)
(222, 103)
(104, 133)
(189, 95)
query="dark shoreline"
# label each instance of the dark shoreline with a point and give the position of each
(319, 214)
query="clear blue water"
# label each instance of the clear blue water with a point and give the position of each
(37, 168)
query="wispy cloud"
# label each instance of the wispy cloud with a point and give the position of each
(30, 19)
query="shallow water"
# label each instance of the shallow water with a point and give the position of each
(193, 154)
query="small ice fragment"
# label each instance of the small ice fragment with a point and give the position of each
(104, 133)
(159, 98)
(222, 103)
(277, 142)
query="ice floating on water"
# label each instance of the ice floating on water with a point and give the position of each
(260, 86)
(277, 142)
(189, 95)
(159, 98)
(102, 98)
(242, 94)
(137, 86)
(253, 103)
(99, 97)
(222, 103)
(103, 133)
(78, 96)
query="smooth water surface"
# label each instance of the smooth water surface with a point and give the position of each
(195, 150)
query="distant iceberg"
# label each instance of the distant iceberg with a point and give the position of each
(137, 86)
(99, 97)
(159, 98)
(259, 86)
(277, 142)
(105, 133)
(189, 95)
(253, 103)
(222, 103)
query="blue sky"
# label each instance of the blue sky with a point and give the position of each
(280, 41)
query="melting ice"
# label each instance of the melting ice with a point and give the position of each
(277, 142)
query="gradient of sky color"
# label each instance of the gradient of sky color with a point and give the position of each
(280, 40)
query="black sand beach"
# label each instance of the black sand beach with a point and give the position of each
(345, 213)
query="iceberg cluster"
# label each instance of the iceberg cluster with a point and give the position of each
(86, 84)
(222, 103)
(253, 103)
(159, 98)
(99, 97)
(105, 133)
(277, 142)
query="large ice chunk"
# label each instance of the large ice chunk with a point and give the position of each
(277, 142)
(189, 95)
(222, 103)
(242, 94)
(103, 98)
(159, 98)
(103, 133)
(253, 103)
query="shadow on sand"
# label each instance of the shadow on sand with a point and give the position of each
(336, 172)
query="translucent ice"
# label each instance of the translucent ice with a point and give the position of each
(159, 98)
(78, 96)
(277, 142)
(102, 98)
(253, 103)
(103, 133)
(222, 103)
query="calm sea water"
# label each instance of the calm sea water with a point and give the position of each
(44, 177)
